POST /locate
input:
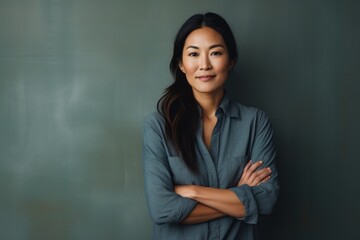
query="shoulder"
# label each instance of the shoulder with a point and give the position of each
(153, 117)
(154, 120)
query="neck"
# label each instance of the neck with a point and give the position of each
(209, 102)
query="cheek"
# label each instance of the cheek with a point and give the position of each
(221, 64)
(223, 67)
(227, 67)
(189, 68)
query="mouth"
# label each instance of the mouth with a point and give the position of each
(205, 78)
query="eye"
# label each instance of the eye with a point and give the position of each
(193, 54)
(216, 53)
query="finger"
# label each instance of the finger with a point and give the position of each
(250, 173)
(255, 165)
(265, 180)
(262, 174)
(247, 166)
(259, 176)
(245, 174)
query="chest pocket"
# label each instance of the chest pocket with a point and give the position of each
(181, 174)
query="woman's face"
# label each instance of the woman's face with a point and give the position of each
(205, 61)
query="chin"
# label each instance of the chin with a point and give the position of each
(208, 91)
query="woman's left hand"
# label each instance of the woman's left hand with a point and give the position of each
(254, 176)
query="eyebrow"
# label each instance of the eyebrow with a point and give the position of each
(211, 47)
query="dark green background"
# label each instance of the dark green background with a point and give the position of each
(77, 78)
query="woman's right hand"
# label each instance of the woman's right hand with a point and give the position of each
(253, 176)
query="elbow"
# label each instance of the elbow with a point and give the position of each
(159, 220)
(268, 209)
(267, 204)
(169, 208)
(160, 217)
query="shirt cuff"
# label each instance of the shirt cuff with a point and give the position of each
(245, 195)
(184, 210)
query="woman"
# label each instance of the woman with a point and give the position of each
(209, 163)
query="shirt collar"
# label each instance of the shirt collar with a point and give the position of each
(229, 108)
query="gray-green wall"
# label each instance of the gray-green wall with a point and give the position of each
(77, 78)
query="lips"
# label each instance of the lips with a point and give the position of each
(205, 78)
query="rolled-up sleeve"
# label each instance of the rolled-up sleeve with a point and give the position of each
(164, 204)
(261, 199)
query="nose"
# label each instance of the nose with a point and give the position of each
(205, 63)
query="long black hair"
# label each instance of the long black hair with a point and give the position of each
(178, 105)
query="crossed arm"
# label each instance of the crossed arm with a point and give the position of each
(254, 195)
(214, 202)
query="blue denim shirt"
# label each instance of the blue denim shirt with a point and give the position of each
(241, 134)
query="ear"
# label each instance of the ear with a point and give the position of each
(231, 65)
(181, 66)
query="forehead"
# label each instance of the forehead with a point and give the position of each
(204, 37)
